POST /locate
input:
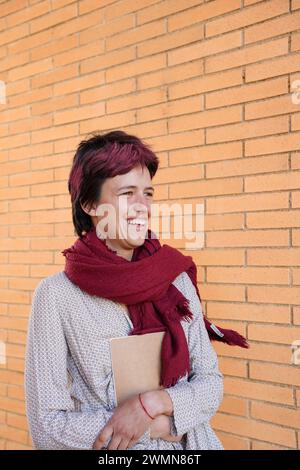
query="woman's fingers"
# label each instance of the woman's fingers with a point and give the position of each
(104, 435)
(114, 443)
(131, 443)
(124, 444)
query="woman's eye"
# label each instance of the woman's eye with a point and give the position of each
(131, 192)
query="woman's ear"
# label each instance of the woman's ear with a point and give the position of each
(88, 210)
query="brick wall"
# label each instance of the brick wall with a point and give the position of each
(208, 85)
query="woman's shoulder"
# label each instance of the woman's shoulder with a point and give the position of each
(56, 283)
(182, 281)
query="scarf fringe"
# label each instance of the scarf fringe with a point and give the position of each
(231, 337)
(168, 382)
(183, 308)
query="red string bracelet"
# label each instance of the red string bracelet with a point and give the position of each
(144, 407)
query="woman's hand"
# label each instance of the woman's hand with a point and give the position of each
(128, 423)
(160, 429)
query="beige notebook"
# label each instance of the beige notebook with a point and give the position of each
(136, 364)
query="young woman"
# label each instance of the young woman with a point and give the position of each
(118, 280)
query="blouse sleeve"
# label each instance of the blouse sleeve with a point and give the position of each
(195, 401)
(53, 421)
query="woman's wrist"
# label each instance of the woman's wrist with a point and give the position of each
(157, 402)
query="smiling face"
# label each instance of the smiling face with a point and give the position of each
(130, 196)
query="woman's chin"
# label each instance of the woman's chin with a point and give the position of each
(134, 242)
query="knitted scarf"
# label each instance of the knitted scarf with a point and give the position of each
(144, 284)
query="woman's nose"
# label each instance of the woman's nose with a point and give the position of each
(141, 200)
(141, 205)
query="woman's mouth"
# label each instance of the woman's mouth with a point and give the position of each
(138, 223)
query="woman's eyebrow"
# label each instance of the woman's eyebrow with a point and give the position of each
(134, 187)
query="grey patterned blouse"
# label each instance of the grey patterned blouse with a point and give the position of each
(69, 387)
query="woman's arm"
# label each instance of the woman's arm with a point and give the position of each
(196, 401)
(53, 421)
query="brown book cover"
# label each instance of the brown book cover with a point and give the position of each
(136, 364)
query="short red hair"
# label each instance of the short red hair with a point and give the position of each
(100, 157)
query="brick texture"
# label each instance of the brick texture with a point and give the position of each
(212, 86)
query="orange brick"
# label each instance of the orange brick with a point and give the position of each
(136, 35)
(220, 292)
(248, 129)
(137, 100)
(231, 442)
(80, 23)
(247, 55)
(237, 238)
(10, 377)
(168, 41)
(249, 92)
(247, 16)
(224, 222)
(201, 188)
(14, 391)
(255, 429)
(63, 73)
(248, 275)
(279, 354)
(86, 112)
(274, 257)
(205, 153)
(295, 237)
(268, 29)
(168, 109)
(295, 44)
(55, 47)
(287, 375)
(10, 445)
(124, 8)
(256, 390)
(85, 6)
(295, 4)
(206, 83)
(235, 406)
(259, 445)
(15, 406)
(202, 12)
(78, 53)
(270, 107)
(249, 312)
(275, 414)
(53, 18)
(205, 119)
(11, 7)
(27, 14)
(107, 29)
(275, 295)
(153, 12)
(170, 74)
(274, 219)
(209, 85)
(271, 182)
(233, 367)
(274, 334)
(272, 67)
(30, 69)
(105, 122)
(247, 202)
(106, 60)
(296, 317)
(11, 35)
(30, 41)
(205, 48)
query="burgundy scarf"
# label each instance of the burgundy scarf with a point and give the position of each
(144, 284)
